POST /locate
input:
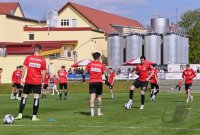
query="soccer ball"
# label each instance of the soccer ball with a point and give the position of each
(8, 119)
(172, 88)
(128, 106)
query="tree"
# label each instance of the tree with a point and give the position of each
(191, 21)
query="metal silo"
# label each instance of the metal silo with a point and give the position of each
(180, 49)
(152, 48)
(133, 46)
(160, 25)
(186, 50)
(170, 49)
(115, 50)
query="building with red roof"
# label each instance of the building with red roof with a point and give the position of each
(71, 34)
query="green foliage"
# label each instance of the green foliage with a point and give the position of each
(191, 21)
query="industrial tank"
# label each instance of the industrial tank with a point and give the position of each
(186, 50)
(133, 46)
(170, 49)
(152, 48)
(160, 25)
(115, 50)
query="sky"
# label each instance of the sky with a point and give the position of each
(140, 10)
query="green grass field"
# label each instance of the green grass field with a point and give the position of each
(169, 115)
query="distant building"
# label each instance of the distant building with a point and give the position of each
(77, 32)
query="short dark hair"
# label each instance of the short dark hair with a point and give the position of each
(17, 66)
(142, 57)
(62, 67)
(1, 69)
(154, 65)
(96, 55)
(110, 68)
(37, 48)
(188, 65)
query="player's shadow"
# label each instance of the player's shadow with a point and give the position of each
(178, 101)
(27, 117)
(84, 113)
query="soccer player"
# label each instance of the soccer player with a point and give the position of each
(95, 69)
(179, 85)
(55, 80)
(188, 75)
(14, 92)
(36, 66)
(1, 70)
(143, 70)
(18, 83)
(62, 74)
(154, 83)
(46, 82)
(111, 81)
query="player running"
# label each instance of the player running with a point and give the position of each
(95, 69)
(55, 81)
(111, 81)
(143, 70)
(62, 74)
(46, 82)
(36, 66)
(188, 75)
(154, 83)
(14, 92)
(179, 85)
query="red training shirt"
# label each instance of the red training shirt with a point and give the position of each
(154, 75)
(95, 69)
(62, 74)
(180, 83)
(112, 77)
(35, 65)
(46, 80)
(188, 74)
(144, 70)
(16, 76)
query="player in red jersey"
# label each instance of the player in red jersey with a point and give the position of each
(143, 70)
(188, 75)
(95, 69)
(55, 81)
(179, 85)
(14, 92)
(62, 76)
(111, 81)
(1, 70)
(18, 83)
(36, 66)
(154, 83)
(46, 82)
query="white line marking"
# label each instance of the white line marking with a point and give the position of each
(121, 127)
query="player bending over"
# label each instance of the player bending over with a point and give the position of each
(36, 66)
(188, 75)
(143, 70)
(111, 81)
(95, 69)
(154, 83)
(62, 74)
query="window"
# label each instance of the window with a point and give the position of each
(64, 22)
(74, 24)
(31, 36)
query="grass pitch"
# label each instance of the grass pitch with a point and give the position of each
(169, 115)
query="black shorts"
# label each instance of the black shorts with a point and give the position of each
(188, 86)
(13, 85)
(63, 85)
(141, 84)
(30, 88)
(18, 86)
(154, 85)
(109, 85)
(45, 86)
(95, 87)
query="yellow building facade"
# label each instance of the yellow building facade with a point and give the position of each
(76, 36)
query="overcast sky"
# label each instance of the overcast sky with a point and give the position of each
(140, 10)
